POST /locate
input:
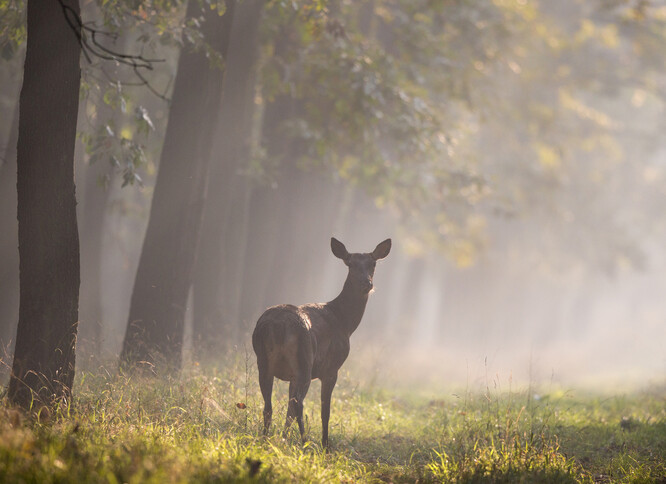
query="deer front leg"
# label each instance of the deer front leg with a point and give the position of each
(327, 385)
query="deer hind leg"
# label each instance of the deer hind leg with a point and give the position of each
(291, 407)
(266, 385)
(305, 360)
(298, 389)
(301, 390)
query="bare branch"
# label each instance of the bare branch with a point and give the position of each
(91, 47)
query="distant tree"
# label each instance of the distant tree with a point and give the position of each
(219, 267)
(109, 156)
(9, 286)
(44, 358)
(92, 218)
(338, 110)
(155, 327)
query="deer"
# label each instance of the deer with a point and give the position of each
(299, 344)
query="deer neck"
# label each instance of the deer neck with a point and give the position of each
(349, 307)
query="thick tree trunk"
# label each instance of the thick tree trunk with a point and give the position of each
(43, 368)
(155, 327)
(219, 264)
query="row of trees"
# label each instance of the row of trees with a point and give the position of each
(285, 119)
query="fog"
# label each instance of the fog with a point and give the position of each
(506, 319)
(525, 203)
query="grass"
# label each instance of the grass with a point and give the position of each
(205, 427)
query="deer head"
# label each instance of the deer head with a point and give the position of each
(361, 266)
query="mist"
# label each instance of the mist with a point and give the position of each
(514, 154)
(506, 319)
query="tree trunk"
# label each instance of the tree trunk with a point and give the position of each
(219, 264)
(93, 216)
(309, 205)
(155, 326)
(265, 216)
(97, 180)
(9, 260)
(269, 215)
(43, 368)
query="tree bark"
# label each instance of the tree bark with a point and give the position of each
(219, 264)
(44, 358)
(155, 327)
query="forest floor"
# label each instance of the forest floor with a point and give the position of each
(205, 426)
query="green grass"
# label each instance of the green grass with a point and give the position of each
(191, 429)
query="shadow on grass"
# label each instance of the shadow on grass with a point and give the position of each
(629, 449)
(395, 458)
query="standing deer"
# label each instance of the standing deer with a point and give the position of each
(300, 343)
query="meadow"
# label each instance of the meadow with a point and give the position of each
(205, 426)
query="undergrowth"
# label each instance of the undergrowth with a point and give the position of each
(205, 426)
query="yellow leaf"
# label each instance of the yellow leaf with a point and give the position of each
(609, 37)
(548, 157)
(126, 133)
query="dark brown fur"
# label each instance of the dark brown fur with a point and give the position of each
(300, 343)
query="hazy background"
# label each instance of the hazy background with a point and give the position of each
(513, 151)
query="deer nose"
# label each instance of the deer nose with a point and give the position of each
(366, 284)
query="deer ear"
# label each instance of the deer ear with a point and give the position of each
(382, 250)
(339, 249)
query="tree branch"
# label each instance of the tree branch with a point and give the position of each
(91, 47)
